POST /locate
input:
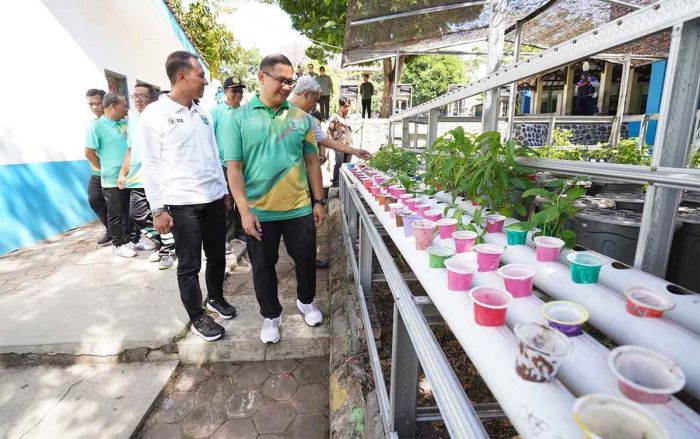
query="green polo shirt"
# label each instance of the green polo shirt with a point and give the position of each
(108, 138)
(93, 170)
(272, 145)
(217, 114)
(134, 180)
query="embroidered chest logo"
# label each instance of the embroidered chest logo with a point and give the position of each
(173, 121)
(205, 120)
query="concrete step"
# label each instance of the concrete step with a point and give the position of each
(80, 401)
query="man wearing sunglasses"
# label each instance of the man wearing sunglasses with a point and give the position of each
(271, 151)
(233, 93)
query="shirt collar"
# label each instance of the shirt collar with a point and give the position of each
(176, 107)
(257, 103)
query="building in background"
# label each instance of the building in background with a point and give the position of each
(54, 51)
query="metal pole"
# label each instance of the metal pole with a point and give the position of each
(496, 37)
(514, 85)
(432, 127)
(390, 135)
(621, 102)
(676, 120)
(395, 92)
(643, 132)
(365, 264)
(405, 134)
(403, 388)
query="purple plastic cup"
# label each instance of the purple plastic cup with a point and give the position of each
(424, 231)
(494, 223)
(488, 256)
(518, 279)
(408, 221)
(460, 274)
(464, 240)
(446, 227)
(433, 214)
(548, 248)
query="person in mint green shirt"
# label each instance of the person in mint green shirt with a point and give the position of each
(96, 200)
(233, 92)
(106, 145)
(272, 159)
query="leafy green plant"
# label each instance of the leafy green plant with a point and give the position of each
(627, 152)
(560, 152)
(562, 137)
(448, 160)
(395, 159)
(695, 160)
(557, 208)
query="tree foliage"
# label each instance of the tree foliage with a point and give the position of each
(431, 74)
(246, 68)
(213, 40)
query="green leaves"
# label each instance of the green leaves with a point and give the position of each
(535, 192)
(569, 238)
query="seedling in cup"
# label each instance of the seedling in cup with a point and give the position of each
(611, 417)
(541, 350)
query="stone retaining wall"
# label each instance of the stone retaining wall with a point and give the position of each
(535, 134)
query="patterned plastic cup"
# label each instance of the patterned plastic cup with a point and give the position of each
(488, 256)
(446, 227)
(408, 221)
(585, 267)
(541, 350)
(433, 214)
(646, 302)
(464, 240)
(548, 248)
(424, 231)
(460, 274)
(494, 223)
(490, 305)
(518, 279)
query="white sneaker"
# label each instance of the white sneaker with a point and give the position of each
(124, 251)
(312, 315)
(143, 244)
(271, 330)
(154, 257)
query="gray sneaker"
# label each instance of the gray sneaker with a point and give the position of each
(166, 262)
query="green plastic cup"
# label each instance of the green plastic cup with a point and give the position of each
(438, 255)
(585, 267)
(517, 234)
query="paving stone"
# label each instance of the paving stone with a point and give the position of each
(251, 375)
(274, 417)
(189, 378)
(274, 436)
(244, 403)
(311, 398)
(236, 428)
(312, 371)
(311, 427)
(174, 407)
(205, 392)
(162, 431)
(203, 421)
(281, 366)
(280, 387)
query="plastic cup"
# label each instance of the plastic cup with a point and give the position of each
(433, 214)
(464, 240)
(446, 227)
(610, 417)
(400, 213)
(381, 198)
(391, 188)
(517, 234)
(374, 190)
(494, 223)
(548, 248)
(460, 274)
(408, 221)
(411, 203)
(644, 375)
(540, 352)
(488, 256)
(518, 279)
(387, 201)
(566, 317)
(645, 302)
(403, 197)
(424, 232)
(585, 267)
(438, 254)
(421, 208)
(399, 191)
(367, 183)
(393, 208)
(490, 305)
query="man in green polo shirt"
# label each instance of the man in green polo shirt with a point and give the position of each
(272, 159)
(105, 147)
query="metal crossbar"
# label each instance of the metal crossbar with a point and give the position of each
(413, 341)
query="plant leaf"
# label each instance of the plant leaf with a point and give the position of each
(536, 191)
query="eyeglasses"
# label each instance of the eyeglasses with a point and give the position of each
(282, 81)
(140, 97)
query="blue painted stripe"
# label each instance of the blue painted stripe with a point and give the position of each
(39, 200)
(656, 89)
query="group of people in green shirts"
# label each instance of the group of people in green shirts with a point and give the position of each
(190, 168)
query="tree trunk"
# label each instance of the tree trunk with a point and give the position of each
(389, 80)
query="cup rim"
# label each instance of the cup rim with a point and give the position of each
(556, 334)
(572, 256)
(511, 228)
(468, 267)
(501, 291)
(499, 249)
(667, 364)
(446, 222)
(548, 241)
(661, 295)
(439, 248)
(472, 234)
(433, 212)
(424, 224)
(495, 217)
(501, 271)
(579, 308)
(602, 399)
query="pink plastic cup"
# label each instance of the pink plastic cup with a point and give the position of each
(494, 223)
(374, 190)
(421, 208)
(393, 207)
(547, 248)
(464, 240)
(446, 227)
(411, 203)
(424, 231)
(490, 305)
(460, 274)
(408, 221)
(403, 197)
(488, 256)
(433, 214)
(399, 191)
(518, 279)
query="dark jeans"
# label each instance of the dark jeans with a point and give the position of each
(97, 199)
(197, 226)
(117, 214)
(340, 158)
(234, 226)
(142, 221)
(325, 103)
(367, 106)
(300, 240)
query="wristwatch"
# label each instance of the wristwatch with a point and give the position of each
(156, 212)
(321, 201)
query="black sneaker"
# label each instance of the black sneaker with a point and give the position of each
(207, 328)
(104, 240)
(321, 265)
(220, 306)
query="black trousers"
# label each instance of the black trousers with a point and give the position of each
(197, 226)
(234, 226)
(367, 106)
(300, 240)
(142, 222)
(340, 158)
(325, 103)
(96, 199)
(117, 214)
